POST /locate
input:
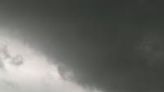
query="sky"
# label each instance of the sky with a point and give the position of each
(114, 46)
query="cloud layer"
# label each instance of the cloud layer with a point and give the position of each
(35, 74)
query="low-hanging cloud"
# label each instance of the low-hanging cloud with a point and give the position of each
(26, 70)
(120, 65)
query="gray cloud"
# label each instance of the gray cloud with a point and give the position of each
(97, 43)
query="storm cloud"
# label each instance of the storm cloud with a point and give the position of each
(108, 45)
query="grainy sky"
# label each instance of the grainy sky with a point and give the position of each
(114, 45)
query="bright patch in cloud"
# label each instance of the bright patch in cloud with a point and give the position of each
(30, 71)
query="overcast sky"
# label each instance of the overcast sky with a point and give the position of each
(113, 45)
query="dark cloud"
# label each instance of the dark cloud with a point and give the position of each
(97, 39)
